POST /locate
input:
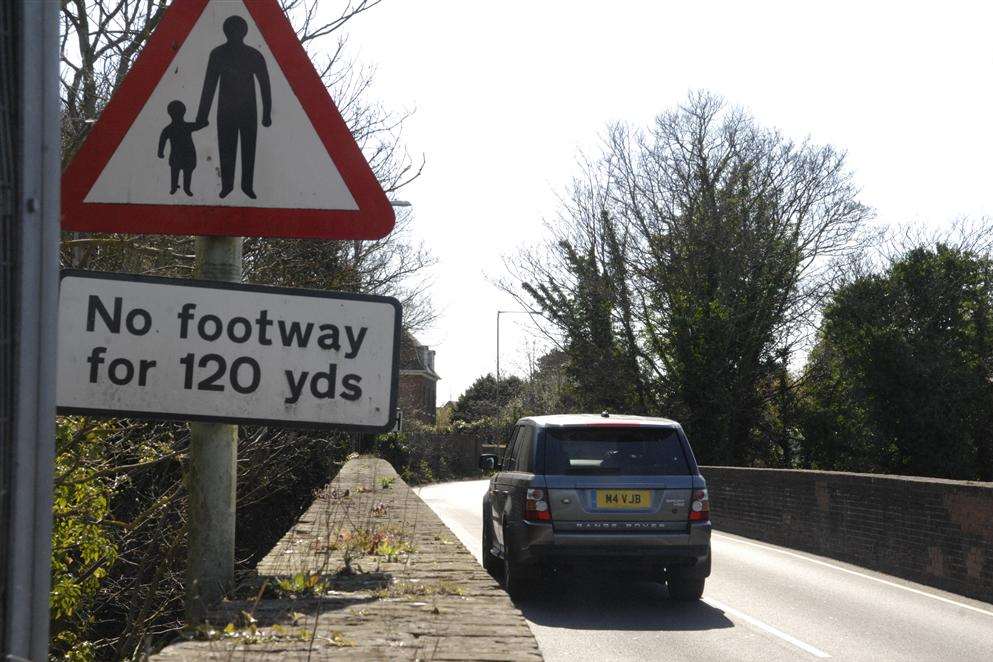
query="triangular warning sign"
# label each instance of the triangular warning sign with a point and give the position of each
(223, 127)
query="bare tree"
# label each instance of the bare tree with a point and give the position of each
(394, 266)
(579, 281)
(721, 238)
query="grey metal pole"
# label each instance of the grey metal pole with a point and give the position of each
(498, 348)
(212, 476)
(504, 312)
(27, 539)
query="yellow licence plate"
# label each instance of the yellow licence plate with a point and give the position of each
(623, 499)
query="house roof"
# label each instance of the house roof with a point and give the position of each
(415, 357)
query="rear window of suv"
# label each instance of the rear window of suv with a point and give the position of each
(614, 451)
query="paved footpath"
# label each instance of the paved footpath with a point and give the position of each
(369, 572)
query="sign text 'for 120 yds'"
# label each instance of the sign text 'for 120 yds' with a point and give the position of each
(172, 349)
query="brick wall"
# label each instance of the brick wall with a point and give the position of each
(936, 532)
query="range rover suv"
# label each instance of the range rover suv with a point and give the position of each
(619, 493)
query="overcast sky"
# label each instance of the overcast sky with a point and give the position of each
(508, 93)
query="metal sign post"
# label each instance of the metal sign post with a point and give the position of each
(212, 479)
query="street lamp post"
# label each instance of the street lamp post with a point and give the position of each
(361, 440)
(503, 312)
(499, 313)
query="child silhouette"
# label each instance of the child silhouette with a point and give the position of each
(182, 152)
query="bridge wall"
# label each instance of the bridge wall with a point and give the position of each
(388, 581)
(932, 531)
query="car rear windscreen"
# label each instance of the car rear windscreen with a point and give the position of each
(636, 451)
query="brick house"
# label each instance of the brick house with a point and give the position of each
(418, 381)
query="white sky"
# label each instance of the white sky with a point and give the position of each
(507, 94)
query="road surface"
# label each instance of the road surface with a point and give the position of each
(762, 602)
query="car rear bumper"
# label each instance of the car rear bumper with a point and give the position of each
(533, 542)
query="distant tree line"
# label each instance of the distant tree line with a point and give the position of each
(715, 271)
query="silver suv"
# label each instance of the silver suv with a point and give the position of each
(615, 492)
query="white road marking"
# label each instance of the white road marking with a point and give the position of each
(857, 574)
(813, 650)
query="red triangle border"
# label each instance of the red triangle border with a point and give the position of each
(374, 218)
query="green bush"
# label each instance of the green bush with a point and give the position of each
(83, 549)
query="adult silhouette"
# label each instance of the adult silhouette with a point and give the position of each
(235, 67)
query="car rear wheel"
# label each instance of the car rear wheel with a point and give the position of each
(518, 579)
(685, 588)
(491, 562)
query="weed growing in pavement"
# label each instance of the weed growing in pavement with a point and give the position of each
(301, 584)
(338, 639)
(248, 633)
(393, 550)
(418, 589)
(334, 493)
(389, 543)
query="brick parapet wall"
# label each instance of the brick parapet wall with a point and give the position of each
(431, 602)
(933, 531)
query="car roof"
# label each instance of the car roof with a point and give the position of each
(598, 420)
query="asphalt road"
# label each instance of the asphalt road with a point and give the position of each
(762, 602)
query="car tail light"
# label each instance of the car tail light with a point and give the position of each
(700, 507)
(536, 507)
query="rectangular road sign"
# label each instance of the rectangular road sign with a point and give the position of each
(164, 348)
